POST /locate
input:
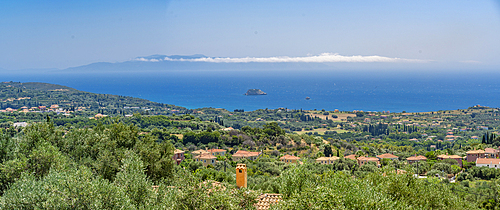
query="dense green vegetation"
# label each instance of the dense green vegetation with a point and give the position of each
(76, 160)
(113, 166)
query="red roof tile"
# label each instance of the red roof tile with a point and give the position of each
(487, 161)
(387, 155)
(289, 157)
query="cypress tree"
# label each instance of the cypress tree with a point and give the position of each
(328, 151)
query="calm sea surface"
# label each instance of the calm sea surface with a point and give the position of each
(327, 90)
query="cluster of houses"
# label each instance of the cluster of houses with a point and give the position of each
(488, 157)
(39, 109)
(209, 156)
(360, 160)
(52, 108)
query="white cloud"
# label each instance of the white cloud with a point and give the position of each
(148, 60)
(322, 58)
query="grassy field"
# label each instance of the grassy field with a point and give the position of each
(341, 116)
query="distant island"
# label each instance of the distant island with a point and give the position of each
(255, 92)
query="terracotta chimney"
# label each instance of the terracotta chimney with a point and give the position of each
(241, 175)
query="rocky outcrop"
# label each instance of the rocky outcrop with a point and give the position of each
(251, 92)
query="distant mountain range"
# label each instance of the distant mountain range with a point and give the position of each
(196, 62)
(181, 62)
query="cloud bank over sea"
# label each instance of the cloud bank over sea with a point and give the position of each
(322, 58)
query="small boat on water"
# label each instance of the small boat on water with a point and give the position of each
(307, 98)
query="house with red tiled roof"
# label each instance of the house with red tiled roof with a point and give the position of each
(178, 156)
(474, 154)
(327, 160)
(289, 159)
(99, 115)
(488, 162)
(352, 157)
(491, 153)
(220, 152)
(198, 152)
(387, 156)
(206, 159)
(455, 157)
(450, 137)
(246, 154)
(414, 159)
(363, 160)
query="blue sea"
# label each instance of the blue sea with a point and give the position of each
(344, 90)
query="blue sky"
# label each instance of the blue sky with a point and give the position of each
(60, 34)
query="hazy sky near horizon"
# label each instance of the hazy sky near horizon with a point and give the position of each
(60, 34)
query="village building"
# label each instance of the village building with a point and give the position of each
(450, 137)
(488, 162)
(20, 124)
(363, 160)
(473, 155)
(215, 152)
(352, 157)
(455, 157)
(245, 154)
(178, 156)
(206, 159)
(327, 160)
(414, 159)
(99, 115)
(289, 159)
(198, 152)
(491, 153)
(387, 156)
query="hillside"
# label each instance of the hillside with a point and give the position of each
(16, 95)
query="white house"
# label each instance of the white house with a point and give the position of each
(488, 162)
